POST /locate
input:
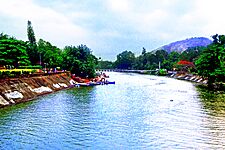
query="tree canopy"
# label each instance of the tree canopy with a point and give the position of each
(49, 55)
(211, 64)
(13, 52)
(209, 61)
(32, 50)
(79, 60)
(125, 60)
(104, 64)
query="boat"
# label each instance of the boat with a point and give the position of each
(110, 82)
(78, 84)
(82, 84)
(94, 83)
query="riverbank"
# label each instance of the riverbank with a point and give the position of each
(18, 90)
(188, 77)
(219, 86)
(138, 107)
(180, 76)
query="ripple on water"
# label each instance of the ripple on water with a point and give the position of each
(135, 113)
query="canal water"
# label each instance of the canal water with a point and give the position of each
(138, 112)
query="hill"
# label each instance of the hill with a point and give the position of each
(183, 45)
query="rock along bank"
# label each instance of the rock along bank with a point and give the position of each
(18, 90)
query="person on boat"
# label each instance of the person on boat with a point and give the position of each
(105, 76)
(102, 80)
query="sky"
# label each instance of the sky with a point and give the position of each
(109, 27)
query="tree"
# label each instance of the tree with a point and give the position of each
(13, 51)
(50, 55)
(143, 51)
(191, 53)
(125, 60)
(171, 61)
(79, 60)
(105, 64)
(30, 33)
(141, 61)
(3, 36)
(152, 61)
(32, 45)
(211, 63)
(161, 55)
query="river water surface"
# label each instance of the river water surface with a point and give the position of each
(138, 112)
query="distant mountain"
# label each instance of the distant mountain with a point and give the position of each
(183, 45)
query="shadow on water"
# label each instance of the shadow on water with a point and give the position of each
(135, 113)
(6, 111)
(82, 94)
(212, 101)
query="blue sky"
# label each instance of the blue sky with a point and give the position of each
(109, 27)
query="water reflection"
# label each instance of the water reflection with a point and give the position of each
(138, 112)
(212, 101)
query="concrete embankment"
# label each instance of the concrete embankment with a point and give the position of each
(188, 77)
(13, 91)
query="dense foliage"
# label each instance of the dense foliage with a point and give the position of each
(79, 60)
(209, 61)
(50, 55)
(12, 51)
(125, 60)
(211, 64)
(32, 48)
(16, 53)
(152, 60)
(104, 64)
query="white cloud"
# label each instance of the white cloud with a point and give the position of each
(109, 25)
(212, 12)
(119, 6)
(47, 22)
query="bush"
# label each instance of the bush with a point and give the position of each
(26, 72)
(33, 71)
(162, 72)
(4, 74)
(17, 73)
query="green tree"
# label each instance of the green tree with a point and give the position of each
(138, 64)
(152, 61)
(50, 55)
(161, 55)
(12, 51)
(191, 53)
(104, 64)
(30, 33)
(125, 60)
(141, 61)
(79, 60)
(211, 63)
(171, 61)
(32, 45)
(143, 51)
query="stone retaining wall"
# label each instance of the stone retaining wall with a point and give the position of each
(13, 91)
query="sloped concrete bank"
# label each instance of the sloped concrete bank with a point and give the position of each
(13, 91)
(188, 77)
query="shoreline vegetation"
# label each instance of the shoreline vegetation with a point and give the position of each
(27, 88)
(23, 89)
(40, 60)
(203, 64)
